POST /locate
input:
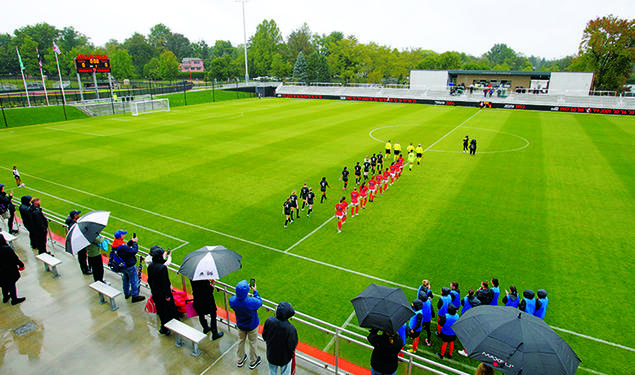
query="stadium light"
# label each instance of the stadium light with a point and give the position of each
(245, 36)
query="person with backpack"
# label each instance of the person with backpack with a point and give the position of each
(161, 289)
(281, 338)
(128, 254)
(529, 304)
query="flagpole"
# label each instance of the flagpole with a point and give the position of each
(59, 73)
(42, 75)
(23, 80)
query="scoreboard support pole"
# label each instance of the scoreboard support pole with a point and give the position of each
(81, 90)
(110, 84)
(95, 81)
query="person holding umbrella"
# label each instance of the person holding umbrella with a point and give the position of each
(71, 220)
(161, 288)
(204, 304)
(385, 357)
(447, 333)
(95, 262)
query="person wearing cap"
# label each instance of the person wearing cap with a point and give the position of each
(6, 204)
(161, 288)
(40, 225)
(82, 259)
(128, 253)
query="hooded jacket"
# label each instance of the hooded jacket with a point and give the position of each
(469, 302)
(444, 301)
(541, 304)
(511, 300)
(528, 304)
(9, 263)
(245, 307)
(385, 353)
(485, 296)
(25, 213)
(280, 335)
(38, 220)
(5, 201)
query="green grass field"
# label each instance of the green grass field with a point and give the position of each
(38, 115)
(547, 202)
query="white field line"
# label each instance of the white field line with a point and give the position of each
(451, 131)
(308, 235)
(74, 131)
(219, 358)
(594, 339)
(348, 320)
(527, 143)
(591, 371)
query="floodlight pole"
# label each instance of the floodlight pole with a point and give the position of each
(245, 38)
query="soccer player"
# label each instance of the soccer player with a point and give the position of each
(386, 178)
(16, 175)
(358, 173)
(294, 204)
(411, 159)
(380, 162)
(344, 177)
(363, 192)
(419, 151)
(373, 163)
(323, 186)
(393, 172)
(410, 148)
(345, 203)
(388, 148)
(354, 202)
(366, 168)
(303, 193)
(466, 140)
(379, 182)
(310, 197)
(372, 189)
(397, 149)
(339, 213)
(286, 210)
(399, 166)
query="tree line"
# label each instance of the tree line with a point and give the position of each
(607, 48)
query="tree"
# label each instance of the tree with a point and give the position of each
(263, 45)
(159, 35)
(42, 34)
(140, 50)
(317, 68)
(280, 67)
(499, 53)
(325, 42)
(168, 66)
(71, 38)
(300, 40)
(151, 69)
(608, 48)
(179, 45)
(201, 50)
(299, 69)
(121, 64)
(222, 48)
(450, 60)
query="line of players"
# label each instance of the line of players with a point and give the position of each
(380, 181)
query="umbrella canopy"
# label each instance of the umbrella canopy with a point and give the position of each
(514, 342)
(210, 263)
(86, 230)
(382, 307)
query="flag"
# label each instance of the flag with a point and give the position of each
(19, 59)
(56, 48)
(39, 60)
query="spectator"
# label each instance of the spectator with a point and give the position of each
(442, 305)
(541, 304)
(6, 204)
(25, 214)
(281, 338)
(528, 304)
(455, 293)
(415, 324)
(424, 291)
(484, 369)
(71, 220)
(10, 267)
(204, 304)
(511, 297)
(447, 333)
(473, 146)
(386, 348)
(469, 301)
(428, 313)
(93, 252)
(40, 225)
(246, 309)
(496, 291)
(127, 252)
(485, 294)
(159, 282)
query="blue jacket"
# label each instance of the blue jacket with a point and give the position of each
(128, 252)
(511, 300)
(497, 292)
(245, 307)
(530, 305)
(541, 308)
(444, 301)
(447, 326)
(466, 305)
(427, 311)
(456, 297)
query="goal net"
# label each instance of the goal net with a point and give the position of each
(148, 106)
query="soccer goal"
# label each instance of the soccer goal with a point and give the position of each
(148, 106)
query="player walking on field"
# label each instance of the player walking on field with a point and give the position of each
(419, 151)
(16, 175)
(310, 197)
(411, 160)
(294, 204)
(354, 202)
(363, 192)
(388, 148)
(303, 192)
(323, 186)
(372, 189)
(373, 163)
(286, 210)
(366, 168)
(358, 173)
(339, 213)
(344, 177)
(397, 149)
(465, 142)
(380, 162)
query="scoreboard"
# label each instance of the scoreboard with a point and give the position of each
(92, 63)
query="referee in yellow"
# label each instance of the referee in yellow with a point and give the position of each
(419, 152)
(388, 149)
(397, 148)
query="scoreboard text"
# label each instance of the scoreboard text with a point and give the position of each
(92, 63)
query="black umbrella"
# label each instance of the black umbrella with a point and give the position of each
(210, 263)
(514, 342)
(382, 307)
(86, 230)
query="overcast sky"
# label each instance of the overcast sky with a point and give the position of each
(546, 28)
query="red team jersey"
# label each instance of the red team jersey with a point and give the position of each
(339, 209)
(363, 192)
(354, 196)
(371, 185)
(386, 176)
(345, 206)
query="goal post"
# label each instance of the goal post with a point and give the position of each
(149, 106)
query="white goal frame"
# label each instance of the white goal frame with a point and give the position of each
(149, 106)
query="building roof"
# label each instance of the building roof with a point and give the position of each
(544, 74)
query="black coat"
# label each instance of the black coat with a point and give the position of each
(5, 201)
(161, 288)
(38, 221)
(280, 335)
(203, 293)
(25, 213)
(485, 296)
(9, 263)
(385, 355)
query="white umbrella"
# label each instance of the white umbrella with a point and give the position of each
(86, 230)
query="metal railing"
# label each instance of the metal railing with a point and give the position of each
(339, 335)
